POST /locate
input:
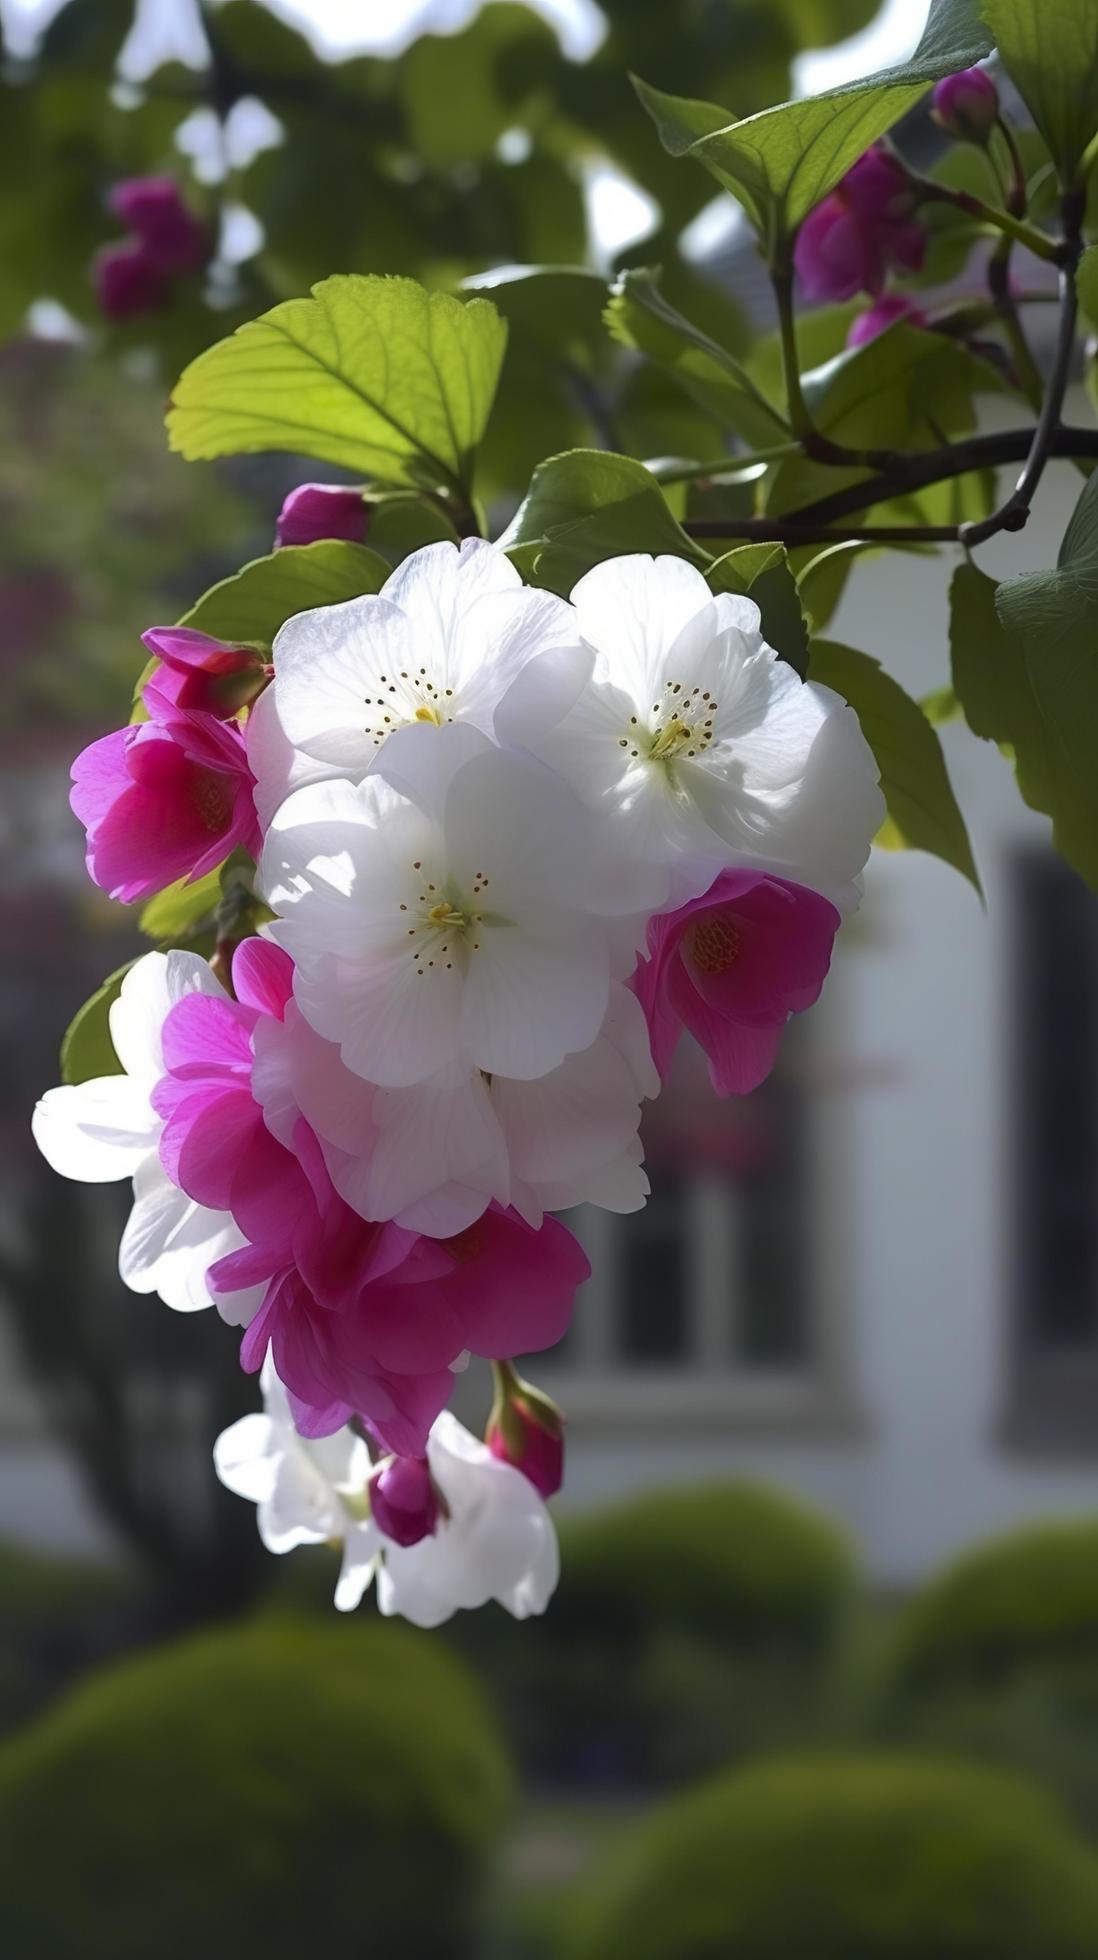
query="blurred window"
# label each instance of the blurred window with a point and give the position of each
(1054, 1065)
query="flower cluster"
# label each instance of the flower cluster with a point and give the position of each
(166, 241)
(510, 846)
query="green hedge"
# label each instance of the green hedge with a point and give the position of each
(57, 1617)
(689, 1624)
(1029, 1596)
(847, 1859)
(278, 1789)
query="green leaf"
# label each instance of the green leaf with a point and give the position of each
(249, 608)
(180, 910)
(762, 571)
(1025, 667)
(782, 162)
(463, 90)
(374, 373)
(639, 316)
(1050, 51)
(785, 160)
(558, 305)
(585, 506)
(401, 523)
(87, 1050)
(923, 813)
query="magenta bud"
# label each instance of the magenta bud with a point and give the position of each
(864, 228)
(127, 282)
(884, 313)
(403, 1499)
(966, 105)
(526, 1429)
(322, 510)
(198, 671)
(152, 208)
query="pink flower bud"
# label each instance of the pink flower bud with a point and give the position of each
(206, 673)
(322, 510)
(526, 1429)
(403, 1500)
(884, 313)
(966, 105)
(127, 281)
(175, 240)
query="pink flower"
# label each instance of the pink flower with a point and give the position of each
(206, 673)
(849, 242)
(322, 510)
(360, 1317)
(731, 966)
(172, 238)
(164, 799)
(403, 1500)
(966, 105)
(127, 281)
(883, 313)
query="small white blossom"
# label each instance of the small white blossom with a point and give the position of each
(106, 1128)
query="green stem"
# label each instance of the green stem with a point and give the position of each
(800, 418)
(1025, 234)
(725, 466)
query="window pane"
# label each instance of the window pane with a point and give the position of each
(772, 1309)
(653, 1310)
(1056, 1176)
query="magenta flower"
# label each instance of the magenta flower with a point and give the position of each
(731, 966)
(403, 1500)
(322, 510)
(867, 225)
(966, 105)
(883, 313)
(360, 1317)
(171, 237)
(164, 799)
(206, 673)
(127, 281)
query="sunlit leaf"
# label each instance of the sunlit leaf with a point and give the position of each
(585, 506)
(639, 316)
(1050, 51)
(762, 571)
(87, 1050)
(373, 373)
(923, 813)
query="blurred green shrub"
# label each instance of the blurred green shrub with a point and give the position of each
(690, 1624)
(276, 1789)
(1029, 1595)
(57, 1616)
(847, 1858)
(998, 1657)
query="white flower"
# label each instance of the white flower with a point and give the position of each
(694, 734)
(446, 909)
(435, 1155)
(443, 641)
(495, 1539)
(306, 1491)
(107, 1128)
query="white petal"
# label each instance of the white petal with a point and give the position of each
(361, 1546)
(633, 610)
(169, 1241)
(528, 1002)
(96, 1131)
(277, 766)
(150, 989)
(245, 1457)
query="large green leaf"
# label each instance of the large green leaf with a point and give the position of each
(762, 570)
(923, 813)
(585, 506)
(249, 608)
(639, 316)
(1050, 50)
(784, 160)
(1025, 669)
(373, 373)
(87, 1050)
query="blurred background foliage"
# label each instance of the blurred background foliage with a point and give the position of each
(284, 1779)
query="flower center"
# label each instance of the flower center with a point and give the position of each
(681, 726)
(213, 801)
(714, 944)
(445, 923)
(411, 695)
